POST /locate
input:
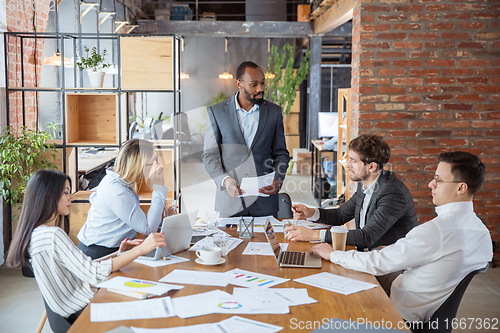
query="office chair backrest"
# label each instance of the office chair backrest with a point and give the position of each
(441, 321)
(285, 211)
(57, 323)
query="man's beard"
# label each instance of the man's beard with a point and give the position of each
(253, 100)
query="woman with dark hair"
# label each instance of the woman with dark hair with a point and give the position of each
(115, 212)
(63, 273)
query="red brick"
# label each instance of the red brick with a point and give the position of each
(405, 168)
(422, 124)
(494, 115)
(422, 107)
(407, 63)
(392, 35)
(471, 25)
(404, 151)
(457, 107)
(373, 98)
(457, 54)
(439, 8)
(492, 186)
(454, 124)
(493, 133)
(381, 45)
(442, 26)
(436, 115)
(457, 71)
(365, 125)
(485, 143)
(391, 90)
(469, 133)
(474, 63)
(404, 115)
(487, 89)
(470, 6)
(436, 133)
(422, 54)
(439, 97)
(404, 133)
(422, 160)
(453, 142)
(387, 18)
(407, 81)
(405, 98)
(372, 116)
(407, 26)
(475, 151)
(439, 45)
(407, 45)
(391, 72)
(412, 176)
(420, 142)
(459, 16)
(470, 98)
(424, 17)
(440, 80)
(471, 45)
(375, 27)
(423, 35)
(390, 124)
(424, 72)
(367, 81)
(487, 107)
(365, 107)
(408, 8)
(426, 89)
(420, 194)
(374, 63)
(486, 124)
(472, 80)
(462, 89)
(371, 8)
(391, 54)
(468, 115)
(431, 151)
(394, 143)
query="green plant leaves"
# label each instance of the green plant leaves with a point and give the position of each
(94, 62)
(22, 155)
(283, 86)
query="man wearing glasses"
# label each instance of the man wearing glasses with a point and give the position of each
(438, 254)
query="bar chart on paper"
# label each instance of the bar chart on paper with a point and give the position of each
(248, 279)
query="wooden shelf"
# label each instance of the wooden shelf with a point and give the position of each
(92, 118)
(166, 157)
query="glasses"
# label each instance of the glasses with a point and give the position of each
(439, 181)
(155, 160)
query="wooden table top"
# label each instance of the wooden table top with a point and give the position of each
(369, 305)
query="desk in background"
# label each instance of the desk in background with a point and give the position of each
(372, 304)
(91, 162)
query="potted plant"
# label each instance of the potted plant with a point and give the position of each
(94, 64)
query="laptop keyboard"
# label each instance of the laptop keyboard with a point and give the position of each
(293, 258)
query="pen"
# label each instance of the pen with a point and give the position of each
(289, 204)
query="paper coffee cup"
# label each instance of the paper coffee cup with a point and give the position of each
(339, 237)
(209, 255)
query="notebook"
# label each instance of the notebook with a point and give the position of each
(177, 230)
(289, 258)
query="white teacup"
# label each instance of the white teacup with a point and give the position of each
(209, 255)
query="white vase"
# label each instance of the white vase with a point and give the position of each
(95, 79)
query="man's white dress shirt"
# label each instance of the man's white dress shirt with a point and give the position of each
(435, 255)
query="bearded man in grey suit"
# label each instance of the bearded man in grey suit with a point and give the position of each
(245, 138)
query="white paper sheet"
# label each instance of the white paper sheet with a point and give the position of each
(260, 228)
(162, 262)
(271, 297)
(150, 308)
(335, 283)
(249, 279)
(262, 248)
(215, 301)
(197, 277)
(235, 324)
(311, 225)
(251, 185)
(142, 286)
(209, 242)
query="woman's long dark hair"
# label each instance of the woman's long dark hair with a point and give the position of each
(42, 195)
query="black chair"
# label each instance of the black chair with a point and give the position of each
(57, 323)
(443, 317)
(285, 210)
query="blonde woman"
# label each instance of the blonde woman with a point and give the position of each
(115, 213)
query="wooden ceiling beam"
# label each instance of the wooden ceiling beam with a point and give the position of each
(336, 15)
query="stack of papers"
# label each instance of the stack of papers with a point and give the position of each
(209, 242)
(235, 324)
(197, 277)
(138, 285)
(150, 308)
(262, 248)
(271, 298)
(335, 283)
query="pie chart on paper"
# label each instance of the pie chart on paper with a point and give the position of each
(138, 284)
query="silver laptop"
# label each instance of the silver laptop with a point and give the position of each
(289, 258)
(177, 230)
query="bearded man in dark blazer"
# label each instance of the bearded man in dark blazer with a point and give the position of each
(382, 207)
(245, 138)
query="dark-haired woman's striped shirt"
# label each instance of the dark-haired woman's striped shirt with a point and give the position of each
(63, 273)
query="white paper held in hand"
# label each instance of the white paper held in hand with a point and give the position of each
(251, 185)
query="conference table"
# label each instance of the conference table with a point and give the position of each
(371, 305)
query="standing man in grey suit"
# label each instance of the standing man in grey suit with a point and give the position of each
(245, 138)
(382, 206)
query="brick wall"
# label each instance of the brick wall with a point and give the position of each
(426, 76)
(25, 16)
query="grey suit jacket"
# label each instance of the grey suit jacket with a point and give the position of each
(225, 153)
(390, 215)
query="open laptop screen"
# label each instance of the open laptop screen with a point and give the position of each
(273, 240)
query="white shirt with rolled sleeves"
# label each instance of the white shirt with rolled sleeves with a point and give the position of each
(435, 255)
(115, 213)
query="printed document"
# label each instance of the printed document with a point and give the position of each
(150, 308)
(262, 248)
(251, 185)
(197, 277)
(335, 283)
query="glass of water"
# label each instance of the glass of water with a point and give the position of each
(212, 219)
(222, 241)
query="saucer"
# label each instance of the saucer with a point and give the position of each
(199, 261)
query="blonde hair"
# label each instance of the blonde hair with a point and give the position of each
(131, 160)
